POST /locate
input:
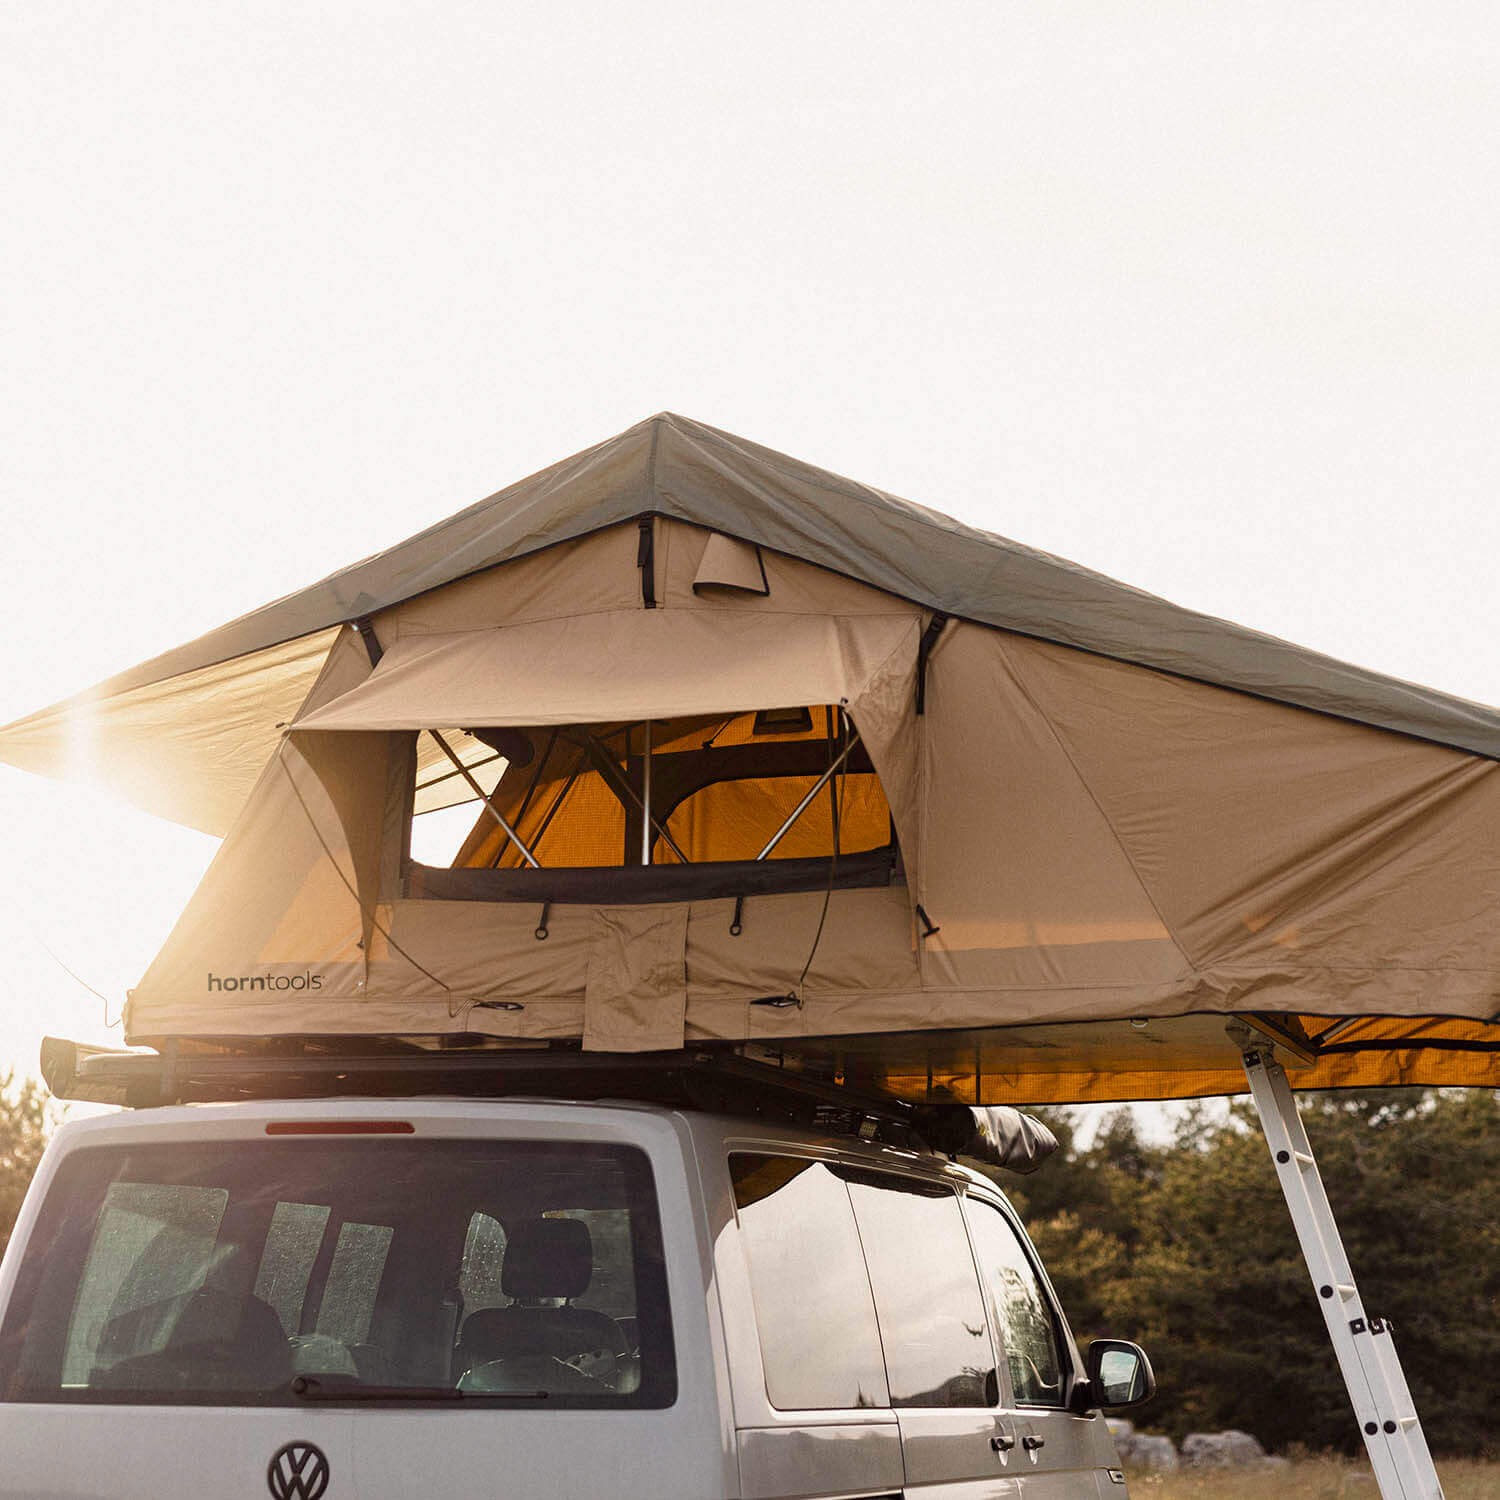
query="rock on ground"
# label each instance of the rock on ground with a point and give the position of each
(1142, 1450)
(1222, 1450)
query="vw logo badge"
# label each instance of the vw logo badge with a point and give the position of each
(299, 1471)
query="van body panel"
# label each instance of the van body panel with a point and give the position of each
(399, 1454)
(719, 1436)
(684, 1451)
(64, 1452)
(950, 1455)
(814, 1459)
(1071, 1460)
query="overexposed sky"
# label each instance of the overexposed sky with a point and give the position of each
(1202, 295)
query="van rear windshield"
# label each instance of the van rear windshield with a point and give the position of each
(256, 1273)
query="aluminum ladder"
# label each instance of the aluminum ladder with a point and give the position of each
(1365, 1346)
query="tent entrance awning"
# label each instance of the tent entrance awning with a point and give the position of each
(623, 665)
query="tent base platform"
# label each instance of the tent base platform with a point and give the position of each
(1173, 1057)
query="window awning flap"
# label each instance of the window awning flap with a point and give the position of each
(622, 665)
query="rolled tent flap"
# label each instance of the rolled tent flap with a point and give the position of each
(732, 566)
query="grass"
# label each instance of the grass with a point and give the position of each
(1309, 1479)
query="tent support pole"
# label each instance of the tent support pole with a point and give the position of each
(806, 802)
(490, 807)
(1365, 1346)
(619, 783)
(646, 798)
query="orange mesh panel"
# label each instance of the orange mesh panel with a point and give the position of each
(736, 819)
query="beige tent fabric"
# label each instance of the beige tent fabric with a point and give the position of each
(1028, 883)
(187, 748)
(636, 999)
(730, 564)
(594, 574)
(1088, 843)
(277, 919)
(1300, 861)
(624, 664)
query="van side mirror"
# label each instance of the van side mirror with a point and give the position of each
(1119, 1374)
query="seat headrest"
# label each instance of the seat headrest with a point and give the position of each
(548, 1258)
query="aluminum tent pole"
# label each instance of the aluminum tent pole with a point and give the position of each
(1364, 1344)
(618, 782)
(485, 798)
(646, 798)
(806, 802)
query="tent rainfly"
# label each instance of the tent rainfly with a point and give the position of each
(729, 748)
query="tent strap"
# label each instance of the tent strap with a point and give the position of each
(645, 560)
(373, 649)
(924, 650)
(1364, 1344)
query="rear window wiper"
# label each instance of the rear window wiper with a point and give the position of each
(310, 1388)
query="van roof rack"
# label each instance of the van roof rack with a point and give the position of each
(717, 1078)
(202, 1071)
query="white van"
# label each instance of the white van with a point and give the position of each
(437, 1297)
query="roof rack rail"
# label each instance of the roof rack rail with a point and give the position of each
(701, 1077)
(716, 1078)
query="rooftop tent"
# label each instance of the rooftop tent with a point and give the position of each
(730, 748)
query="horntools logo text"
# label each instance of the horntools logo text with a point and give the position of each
(308, 981)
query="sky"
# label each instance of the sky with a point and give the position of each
(1201, 295)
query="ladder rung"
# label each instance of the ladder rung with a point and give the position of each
(1304, 1158)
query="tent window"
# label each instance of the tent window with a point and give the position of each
(774, 790)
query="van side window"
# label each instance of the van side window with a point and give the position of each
(819, 1342)
(1028, 1329)
(932, 1320)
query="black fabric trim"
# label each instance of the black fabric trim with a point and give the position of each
(677, 774)
(924, 650)
(372, 645)
(645, 560)
(637, 885)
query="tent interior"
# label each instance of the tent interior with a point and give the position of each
(683, 743)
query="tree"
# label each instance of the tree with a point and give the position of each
(25, 1123)
(1189, 1249)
